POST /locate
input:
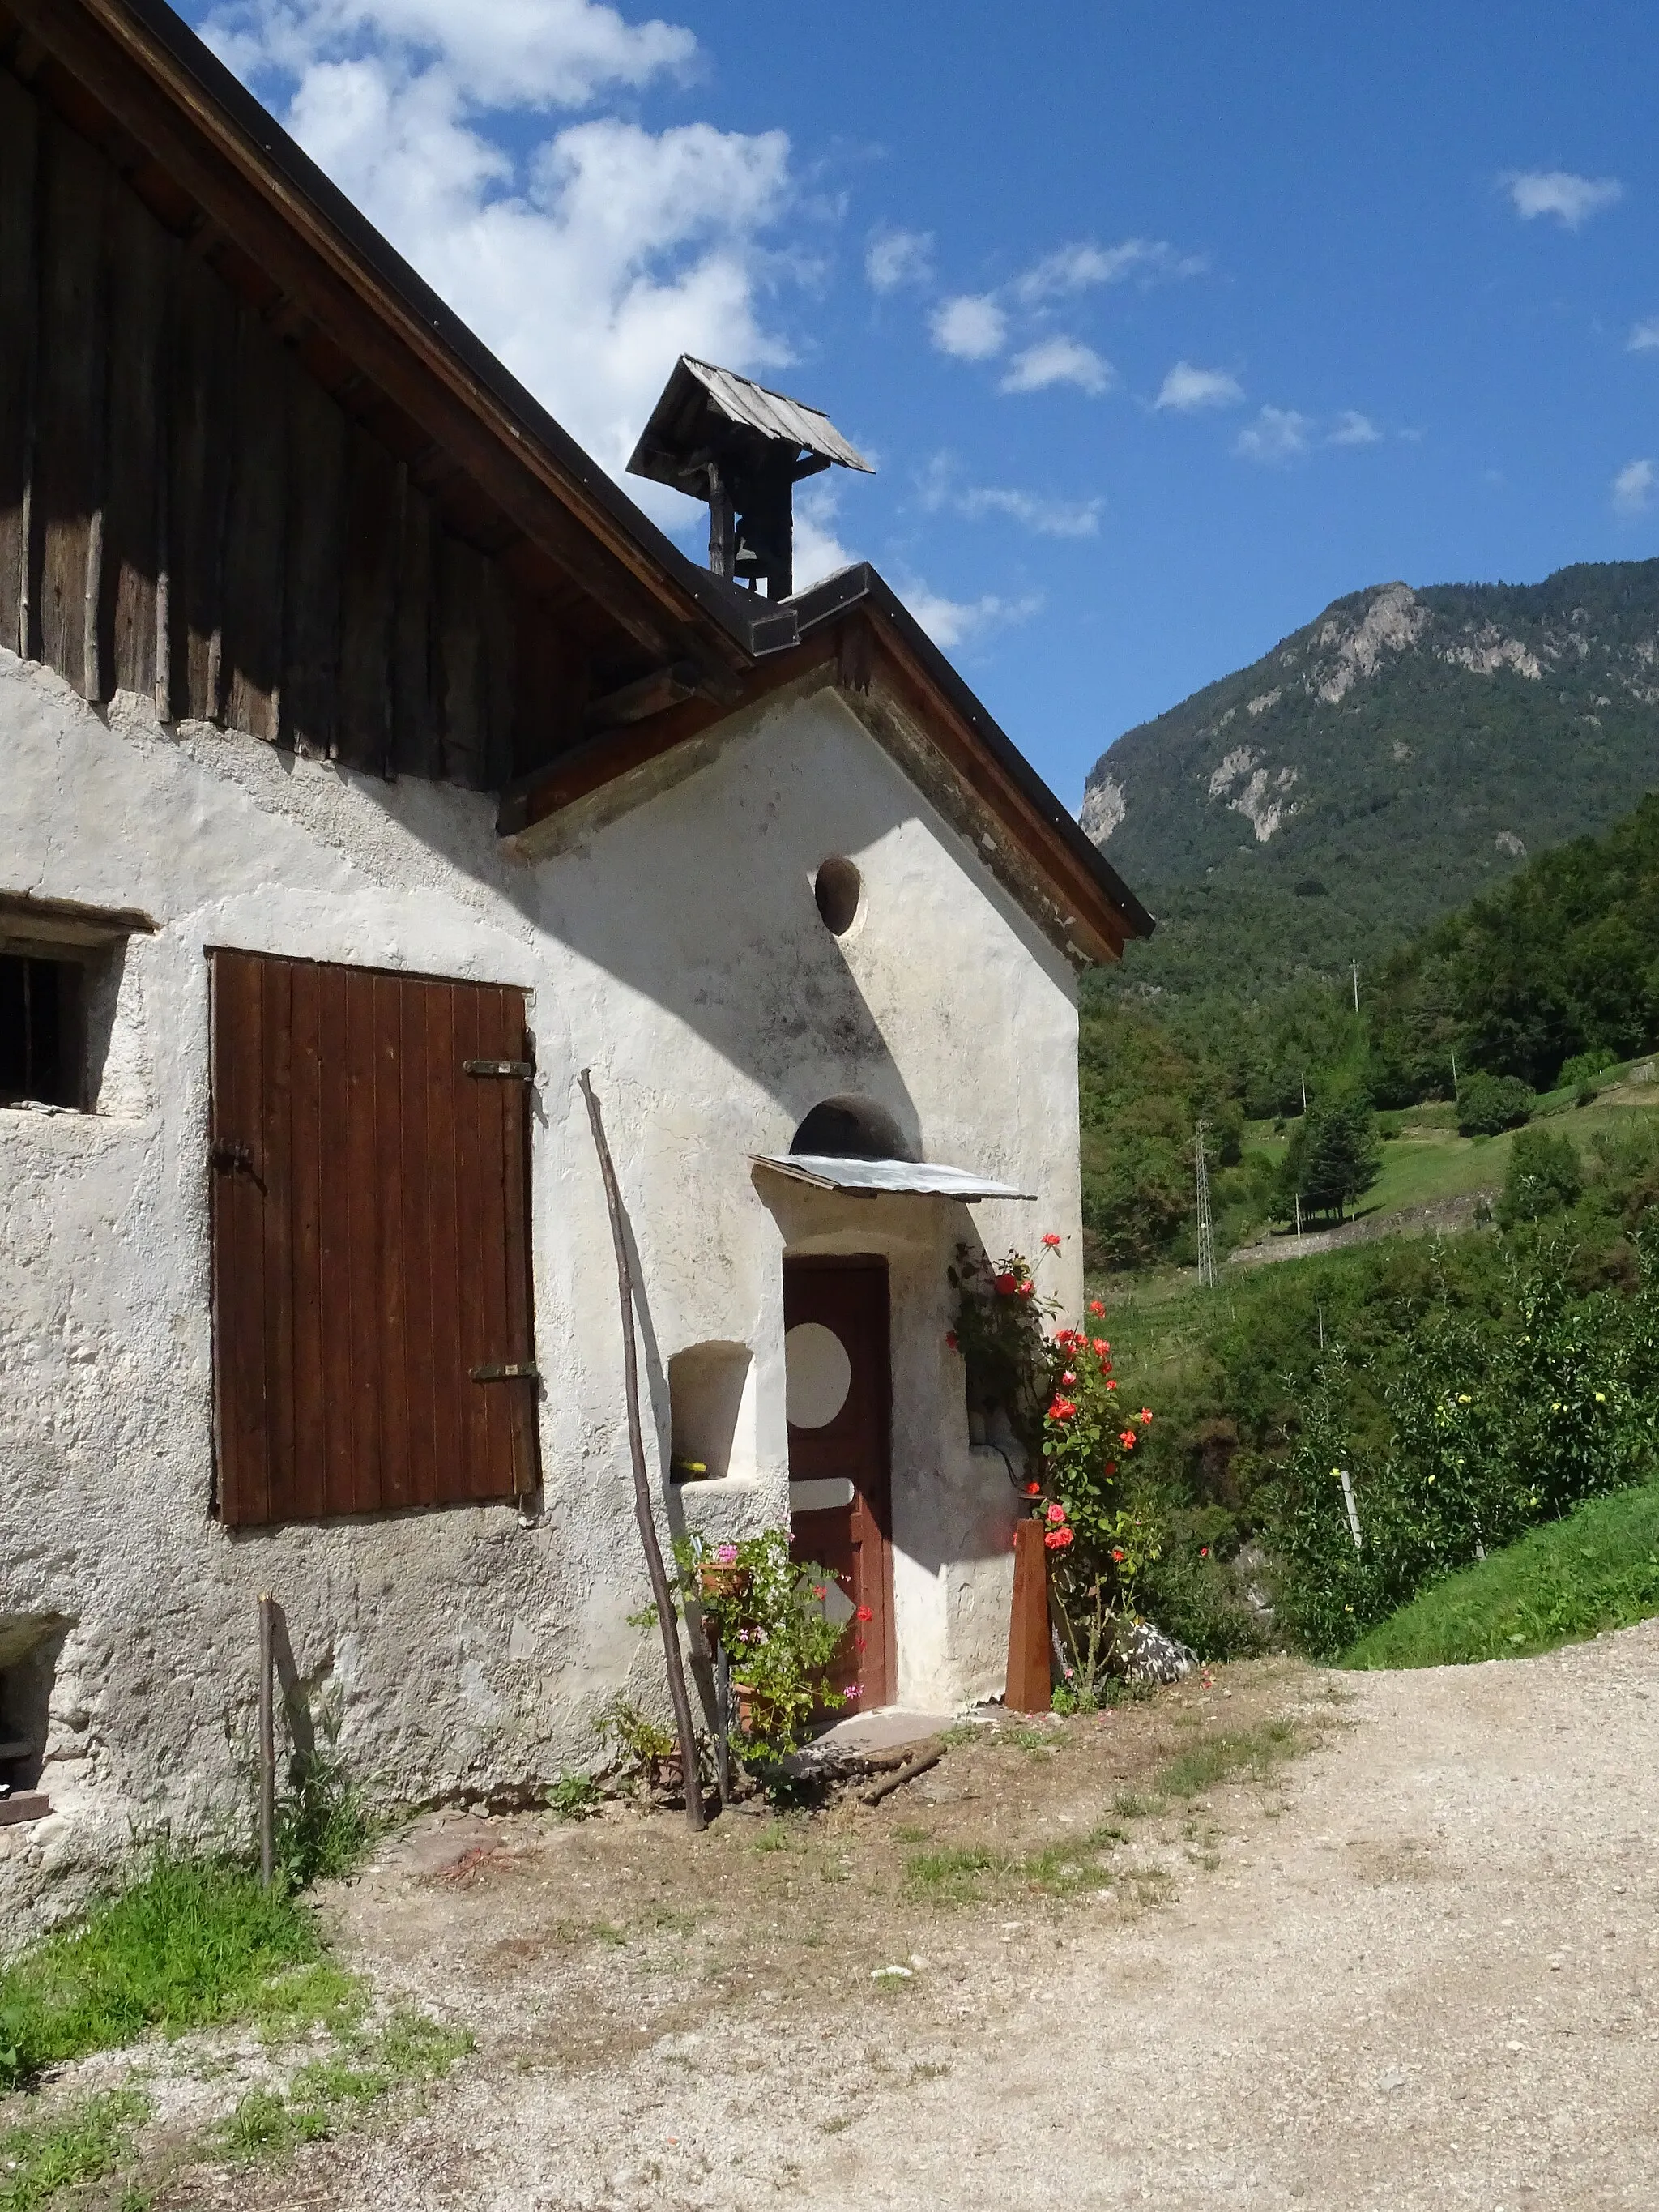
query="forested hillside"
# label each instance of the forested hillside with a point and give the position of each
(1387, 764)
(1548, 978)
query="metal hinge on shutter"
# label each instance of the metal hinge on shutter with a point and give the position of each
(506, 1370)
(518, 1071)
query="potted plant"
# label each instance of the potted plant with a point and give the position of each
(768, 1610)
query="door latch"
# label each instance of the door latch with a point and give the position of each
(507, 1370)
(230, 1159)
(518, 1071)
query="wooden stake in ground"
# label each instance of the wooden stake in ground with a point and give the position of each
(1027, 1689)
(642, 1513)
(267, 1745)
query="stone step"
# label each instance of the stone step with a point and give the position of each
(24, 1805)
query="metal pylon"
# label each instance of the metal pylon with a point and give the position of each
(1206, 1227)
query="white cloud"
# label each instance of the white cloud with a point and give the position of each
(1571, 199)
(899, 257)
(1635, 487)
(819, 550)
(1057, 360)
(952, 623)
(1046, 518)
(940, 490)
(1278, 434)
(587, 259)
(1186, 389)
(970, 327)
(1645, 337)
(1353, 428)
(1075, 268)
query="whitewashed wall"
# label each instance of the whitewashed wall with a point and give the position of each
(675, 947)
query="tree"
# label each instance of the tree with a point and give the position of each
(1546, 1176)
(1333, 1157)
(1489, 1104)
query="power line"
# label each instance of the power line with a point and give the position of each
(1205, 1228)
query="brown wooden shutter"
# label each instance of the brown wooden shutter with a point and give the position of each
(371, 1241)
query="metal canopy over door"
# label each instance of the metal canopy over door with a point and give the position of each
(840, 1406)
(369, 1166)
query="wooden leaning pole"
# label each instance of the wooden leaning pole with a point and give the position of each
(654, 1558)
(267, 1740)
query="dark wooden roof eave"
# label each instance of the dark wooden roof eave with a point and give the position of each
(171, 96)
(855, 621)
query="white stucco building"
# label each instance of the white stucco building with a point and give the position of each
(349, 718)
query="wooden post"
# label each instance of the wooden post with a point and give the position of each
(653, 1560)
(1028, 1685)
(267, 1747)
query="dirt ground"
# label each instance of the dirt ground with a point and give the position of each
(1162, 1958)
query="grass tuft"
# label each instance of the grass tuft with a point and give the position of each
(411, 2047)
(195, 1940)
(1254, 1752)
(1597, 1570)
(74, 2147)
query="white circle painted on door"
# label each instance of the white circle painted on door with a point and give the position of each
(818, 1375)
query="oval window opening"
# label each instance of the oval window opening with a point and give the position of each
(837, 887)
(817, 1375)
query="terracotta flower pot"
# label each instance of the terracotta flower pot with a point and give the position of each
(724, 1583)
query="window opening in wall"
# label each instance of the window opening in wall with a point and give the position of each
(706, 1384)
(837, 887)
(851, 1129)
(40, 1031)
(30, 1645)
(60, 971)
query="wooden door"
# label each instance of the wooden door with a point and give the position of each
(840, 1411)
(369, 1171)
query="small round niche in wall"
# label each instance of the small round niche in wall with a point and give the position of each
(838, 887)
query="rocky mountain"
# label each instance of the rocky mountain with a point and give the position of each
(1380, 767)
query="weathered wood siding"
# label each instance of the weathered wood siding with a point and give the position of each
(187, 512)
(371, 1239)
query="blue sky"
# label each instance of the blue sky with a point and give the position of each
(1165, 324)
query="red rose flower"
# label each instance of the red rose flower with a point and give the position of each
(1126, 1438)
(951, 1339)
(1100, 1347)
(1056, 1512)
(1052, 1241)
(1145, 1414)
(1118, 1556)
(1068, 1378)
(1005, 1284)
(1095, 1307)
(1057, 1539)
(1034, 1490)
(1203, 1551)
(1027, 1289)
(863, 1614)
(1061, 1410)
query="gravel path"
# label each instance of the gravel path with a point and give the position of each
(1424, 1974)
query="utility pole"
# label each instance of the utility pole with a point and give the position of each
(1454, 1075)
(1304, 1090)
(1298, 1221)
(1355, 964)
(1206, 1230)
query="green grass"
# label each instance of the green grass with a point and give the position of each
(1598, 1569)
(411, 2047)
(71, 2149)
(1252, 1752)
(195, 1940)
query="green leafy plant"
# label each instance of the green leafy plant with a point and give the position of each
(324, 1826)
(769, 1613)
(640, 1746)
(1546, 1176)
(573, 1796)
(1488, 1104)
